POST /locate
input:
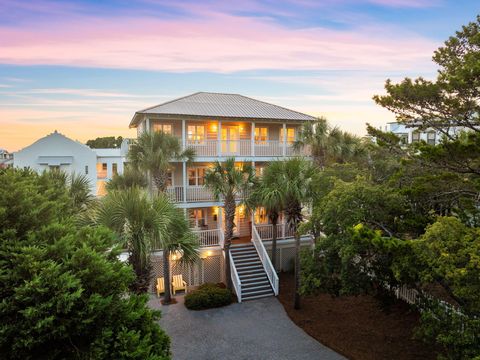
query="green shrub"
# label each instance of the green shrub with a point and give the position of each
(208, 296)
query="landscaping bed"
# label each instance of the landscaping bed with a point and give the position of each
(357, 327)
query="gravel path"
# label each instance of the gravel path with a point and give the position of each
(258, 329)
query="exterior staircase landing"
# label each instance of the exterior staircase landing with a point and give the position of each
(254, 280)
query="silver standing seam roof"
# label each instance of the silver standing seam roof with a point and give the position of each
(222, 105)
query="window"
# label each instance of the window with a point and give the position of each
(416, 136)
(101, 170)
(403, 139)
(261, 216)
(431, 135)
(165, 128)
(197, 218)
(196, 176)
(170, 178)
(261, 135)
(290, 135)
(196, 133)
(114, 169)
(86, 169)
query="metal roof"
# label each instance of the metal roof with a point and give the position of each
(222, 105)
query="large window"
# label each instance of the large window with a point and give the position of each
(290, 135)
(101, 170)
(196, 133)
(431, 136)
(165, 128)
(261, 135)
(197, 218)
(196, 176)
(416, 136)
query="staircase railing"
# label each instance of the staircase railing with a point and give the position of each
(237, 285)
(267, 263)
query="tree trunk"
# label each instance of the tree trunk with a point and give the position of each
(274, 220)
(166, 277)
(160, 180)
(297, 269)
(229, 207)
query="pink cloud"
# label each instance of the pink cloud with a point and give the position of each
(214, 42)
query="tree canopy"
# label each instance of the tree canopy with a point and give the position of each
(106, 142)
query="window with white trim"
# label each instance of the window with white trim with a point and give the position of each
(431, 137)
(290, 135)
(196, 176)
(196, 133)
(165, 128)
(416, 136)
(261, 135)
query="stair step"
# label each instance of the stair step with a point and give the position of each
(249, 279)
(252, 284)
(251, 269)
(242, 246)
(244, 256)
(253, 275)
(257, 295)
(241, 262)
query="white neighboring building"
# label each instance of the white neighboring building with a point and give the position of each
(6, 158)
(56, 151)
(410, 135)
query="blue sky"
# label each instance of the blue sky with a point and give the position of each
(85, 67)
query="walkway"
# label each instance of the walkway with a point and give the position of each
(258, 329)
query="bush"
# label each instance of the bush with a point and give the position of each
(208, 296)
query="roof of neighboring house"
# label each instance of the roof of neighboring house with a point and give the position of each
(222, 105)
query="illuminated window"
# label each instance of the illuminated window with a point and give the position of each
(197, 218)
(101, 170)
(431, 137)
(196, 176)
(196, 133)
(261, 135)
(165, 128)
(101, 189)
(290, 135)
(416, 136)
(261, 216)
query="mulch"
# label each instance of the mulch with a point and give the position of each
(357, 326)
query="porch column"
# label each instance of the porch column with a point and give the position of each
(284, 139)
(252, 138)
(184, 135)
(184, 164)
(147, 124)
(219, 138)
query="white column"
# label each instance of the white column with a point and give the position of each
(219, 138)
(184, 135)
(147, 125)
(184, 181)
(284, 139)
(220, 218)
(253, 138)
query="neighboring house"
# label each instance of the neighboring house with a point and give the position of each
(56, 151)
(6, 158)
(410, 135)
(219, 126)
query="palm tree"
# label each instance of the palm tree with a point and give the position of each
(268, 195)
(131, 177)
(327, 144)
(144, 223)
(77, 186)
(152, 152)
(293, 177)
(228, 181)
(178, 239)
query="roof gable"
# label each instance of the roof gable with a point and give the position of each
(222, 105)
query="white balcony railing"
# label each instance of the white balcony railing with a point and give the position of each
(206, 238)
(175, 193)
(266, 148)
(199, 193)
(265, 231)
(265, 259)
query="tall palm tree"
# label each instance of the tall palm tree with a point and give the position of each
(152, 152)
(293, 178)
(328, 144)
(178, 239)
(228, 181)
(268, 195)
(143, 224)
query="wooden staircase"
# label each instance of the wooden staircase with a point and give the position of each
(253, 279)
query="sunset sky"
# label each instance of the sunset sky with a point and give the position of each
(84, 67)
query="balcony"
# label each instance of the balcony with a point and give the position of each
(194, 194)
(265, 231)
(208, 238)
(266, 148)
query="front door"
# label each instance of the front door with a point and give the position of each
(230, 137)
